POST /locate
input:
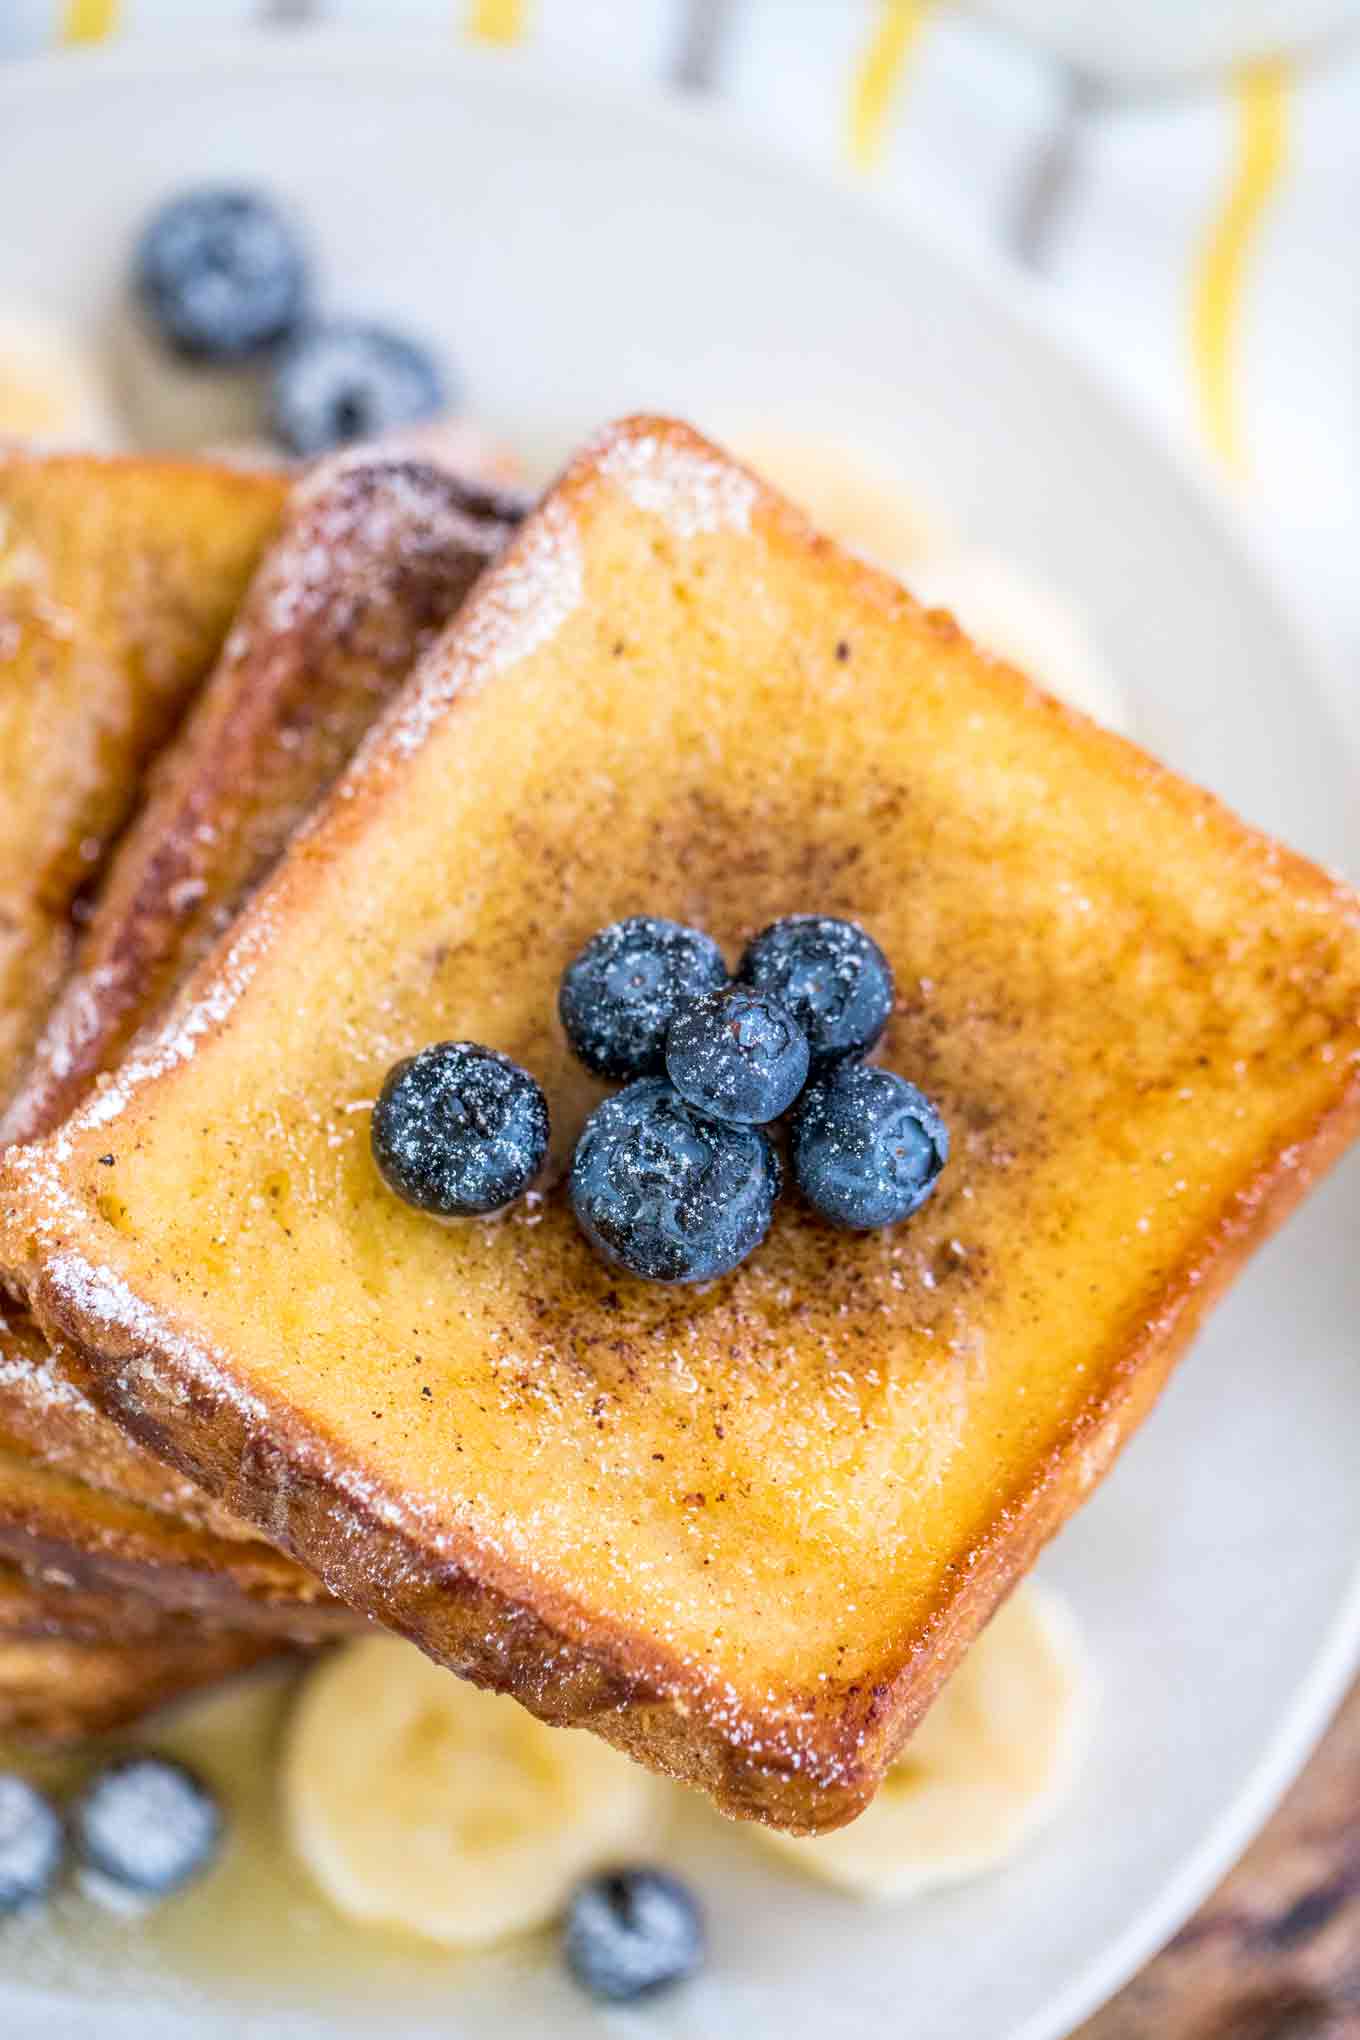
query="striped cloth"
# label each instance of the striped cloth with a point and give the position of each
(1185, 191)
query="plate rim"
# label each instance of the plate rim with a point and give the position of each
(374, 57)
(344, 50)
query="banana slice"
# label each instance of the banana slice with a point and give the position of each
(417, 1801)
(845, 490)
(49, 388)
(990, 1763)
(1019, 619)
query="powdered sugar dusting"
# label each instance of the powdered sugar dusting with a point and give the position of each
(353, 521)
(80, 1018)
(76, 1022)
(178, 1038)
(39, 1380)
(533, 591)
(170, 1365)
(103, 1298)
(173, 1043)
(690, 490)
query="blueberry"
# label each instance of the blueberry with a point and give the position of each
(220, 275)
(32, 1844)
(632, 1932)
(335, 384)
(146, 1824)
(459, 1130)
(738, 1055)
(620, 994)
(832, 977)
(667, 1192)
(867, 1146)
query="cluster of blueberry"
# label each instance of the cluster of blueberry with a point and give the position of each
(675, 1177)
(223, 279)
(142, 1824)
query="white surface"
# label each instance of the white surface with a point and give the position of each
(583, 256)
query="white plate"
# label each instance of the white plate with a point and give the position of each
(581, 256)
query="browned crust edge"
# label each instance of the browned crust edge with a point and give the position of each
(104, 1546)
(501, 1626)
(45, 1414)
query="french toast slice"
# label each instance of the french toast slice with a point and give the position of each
(55, 1691)
(38, 1601)
(118, 579)
(372, 554)
(106, 1545)
(745, 1531)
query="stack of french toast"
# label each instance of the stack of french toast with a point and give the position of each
(189, 653)
(301, 775)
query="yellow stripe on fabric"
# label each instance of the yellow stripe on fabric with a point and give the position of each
(878, 78)
(497, 21)
(1261, 101)
(89, 21)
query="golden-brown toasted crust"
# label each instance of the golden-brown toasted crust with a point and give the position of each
(54, 1691)
(744, 1533)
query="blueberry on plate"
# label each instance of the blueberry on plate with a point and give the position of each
(867, 1146)
(32, 1844)
(737, 1054)
(621, 993)
(832, 977)
(339, 383)
(459, 1130)
(220, 275)
(147, 1825)
(667, 1192)
(632, 1932)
